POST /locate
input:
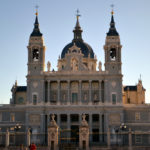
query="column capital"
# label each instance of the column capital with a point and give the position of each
(90, 81)
(58, 81)
(80, 81)
(49, 81)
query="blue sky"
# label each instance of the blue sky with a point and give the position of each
(57, 20)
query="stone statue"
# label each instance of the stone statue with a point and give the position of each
(100, 66)
(74, 64)
(48, 66)
(53, 117)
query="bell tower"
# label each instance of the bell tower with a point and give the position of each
(112, 49)
(36, 50)
(36, 63)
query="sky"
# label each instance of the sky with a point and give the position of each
(57, 20)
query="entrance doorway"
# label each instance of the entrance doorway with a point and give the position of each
(75, 133)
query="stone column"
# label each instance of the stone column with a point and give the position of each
(100, 127)
(90, 125)
(90, 90)
(28, 138)
(80, 91)
(48, 92)
(53, 134)
(69, 99)
(100, 91)
(84, 134)
(58, 100)
(58, 120)
(68, 125)
(130, 139)
(42, 123)
(7, 139)
(108, 137)
(106, 91)
(43, 93)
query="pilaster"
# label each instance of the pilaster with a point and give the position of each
(48, 96)
(58, 100)
(90, 90)
(80, 91)
(100, 91)
(69, 99)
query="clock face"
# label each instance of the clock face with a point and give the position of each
(35, 54)
(20, 100)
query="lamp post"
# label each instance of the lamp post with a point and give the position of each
(16, 128)
(123, 127)
(116, 131)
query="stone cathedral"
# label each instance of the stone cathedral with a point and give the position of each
(77, 87)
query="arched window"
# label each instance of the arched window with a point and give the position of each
(34, 99)
(113, 54)
(35, 54)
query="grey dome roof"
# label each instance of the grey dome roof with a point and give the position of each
(85, 49)
(78, 41)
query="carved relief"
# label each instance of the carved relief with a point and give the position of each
(95, 85)
(35, 84)
(114, 118)
(34, 119)
(74, 86)
(54, 86)
(64, 86)
(113, 83)
(85, 86)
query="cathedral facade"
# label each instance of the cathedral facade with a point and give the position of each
(76, 88)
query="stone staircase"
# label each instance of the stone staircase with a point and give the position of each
(68, 146)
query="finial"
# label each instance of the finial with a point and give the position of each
(78, 14)
(36, 10)
(140, 77)
(16, 83)
(112, 6)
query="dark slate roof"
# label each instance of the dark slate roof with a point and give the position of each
(85, 48)
(36, 30)
(21, 89)
(130, 88)
(112, 30)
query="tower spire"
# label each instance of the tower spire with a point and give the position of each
(77, 31)
(112, 30)
(36, 29)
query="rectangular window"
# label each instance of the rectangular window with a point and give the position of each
(95, 133)
(63, 118)
(95, 117)
(114, 98)
(87, 117)
(137, 116)
(138, 139)
(34, 99)
(12, 117)
(74, 97)
(74, 117)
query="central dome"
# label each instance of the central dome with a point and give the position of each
(85, 49)
(78, 41)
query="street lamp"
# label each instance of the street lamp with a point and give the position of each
(116, 131)
(17, 127)
(123, 127)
